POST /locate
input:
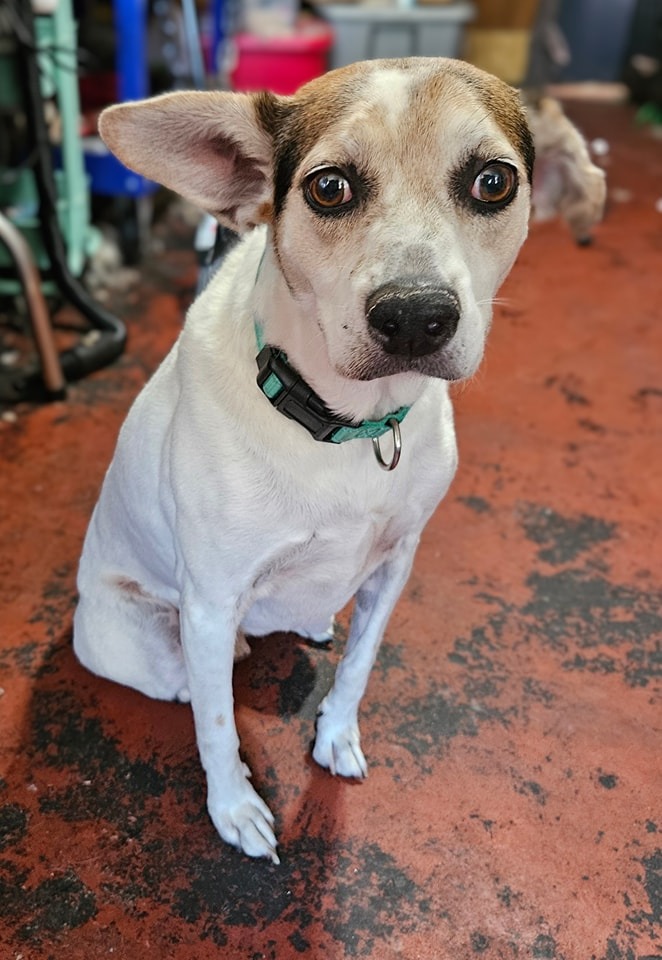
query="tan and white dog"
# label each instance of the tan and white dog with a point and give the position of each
(389, 201)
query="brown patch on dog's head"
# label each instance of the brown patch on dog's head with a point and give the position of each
(296, 123)
(502, 102)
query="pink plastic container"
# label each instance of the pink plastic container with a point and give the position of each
(281, 63)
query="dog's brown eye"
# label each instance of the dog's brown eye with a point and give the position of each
(327, 189)
(495, 183)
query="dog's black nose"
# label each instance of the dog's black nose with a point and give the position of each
(413, 319)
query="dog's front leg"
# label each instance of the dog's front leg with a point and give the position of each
(208, 638)
(337, 744)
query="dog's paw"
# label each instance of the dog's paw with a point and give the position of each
(338, 748)
(244, 820)
(241, 647)
(323, 636)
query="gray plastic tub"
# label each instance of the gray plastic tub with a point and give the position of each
(366, 32)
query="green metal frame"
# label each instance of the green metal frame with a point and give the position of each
(56, 39)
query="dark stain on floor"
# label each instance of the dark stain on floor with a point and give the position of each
(563, 538)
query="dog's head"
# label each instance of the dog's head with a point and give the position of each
(397, 194)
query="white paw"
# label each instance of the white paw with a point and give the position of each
(244, 820)
(338, 748)
(241, 647)
(324, 636)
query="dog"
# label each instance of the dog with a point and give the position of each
(381, 207)
(565, 179)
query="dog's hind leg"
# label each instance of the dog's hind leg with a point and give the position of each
(337, 743)
(124, 634)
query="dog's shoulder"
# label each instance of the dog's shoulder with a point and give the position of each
(219, 334)
(228, 293)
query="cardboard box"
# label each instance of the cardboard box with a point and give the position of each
(505, 14)
(505, 53)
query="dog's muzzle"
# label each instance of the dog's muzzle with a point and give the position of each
(412, 319)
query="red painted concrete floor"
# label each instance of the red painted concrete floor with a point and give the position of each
(512, 722)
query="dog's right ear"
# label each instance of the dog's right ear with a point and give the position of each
(210, 147)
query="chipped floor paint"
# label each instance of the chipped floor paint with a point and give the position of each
(512, 722)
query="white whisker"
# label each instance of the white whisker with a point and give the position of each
(494, 301)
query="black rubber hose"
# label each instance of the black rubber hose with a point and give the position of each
(85, 357)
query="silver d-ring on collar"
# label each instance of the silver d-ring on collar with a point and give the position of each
(397, 447)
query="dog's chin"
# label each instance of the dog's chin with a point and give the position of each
(441, 366)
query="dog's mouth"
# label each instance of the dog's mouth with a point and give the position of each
(375, 363)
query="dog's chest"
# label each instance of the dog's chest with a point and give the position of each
(352, 544)
(315, 572)
(330, 530)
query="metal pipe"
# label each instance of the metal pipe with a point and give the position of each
(37, 310)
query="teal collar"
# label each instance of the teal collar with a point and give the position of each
(288, 392)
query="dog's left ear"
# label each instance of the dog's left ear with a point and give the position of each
(210, 147)
(565, 179)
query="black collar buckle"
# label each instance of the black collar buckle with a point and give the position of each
(292, 396)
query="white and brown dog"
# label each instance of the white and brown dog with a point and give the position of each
(389, 200)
